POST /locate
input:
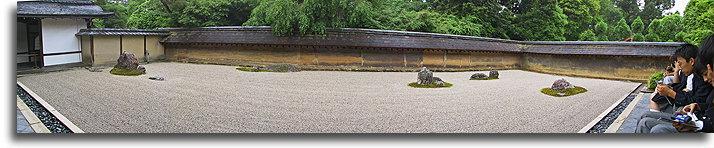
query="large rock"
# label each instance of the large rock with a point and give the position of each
(127, 61)
(493, 74)
(561, 84)
(425, 77)
(479, 76)
(435, 79)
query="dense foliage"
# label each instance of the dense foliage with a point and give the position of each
(548, 20)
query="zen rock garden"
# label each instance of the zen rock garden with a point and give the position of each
(563, 88)
(426, 79)
(128, 65)
(283, 67)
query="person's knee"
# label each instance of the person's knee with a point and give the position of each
(663, 128)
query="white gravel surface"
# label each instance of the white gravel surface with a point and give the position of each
(219, 99)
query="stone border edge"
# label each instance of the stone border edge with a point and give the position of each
(615, 126)
(71, 126)
(31, 118)
(607, 111)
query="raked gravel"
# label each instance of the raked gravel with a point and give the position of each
(198, 98)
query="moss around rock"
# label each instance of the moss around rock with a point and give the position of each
(248, 69)
(416, 85)
(125, 72)
(563, 93)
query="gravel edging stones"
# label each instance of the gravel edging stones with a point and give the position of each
(52, 120)
(602, 125)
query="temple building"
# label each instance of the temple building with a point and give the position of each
(46, 31)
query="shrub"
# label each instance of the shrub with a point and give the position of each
(652, 82)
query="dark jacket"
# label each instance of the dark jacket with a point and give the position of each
(707, 110)
(699, 93)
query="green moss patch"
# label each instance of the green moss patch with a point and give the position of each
(485, 79)
(125, 72)
(563, 93)
(416, 85)
(250, 69)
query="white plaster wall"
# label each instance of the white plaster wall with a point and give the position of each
(58, 36)
(63, 59)
(21, 34)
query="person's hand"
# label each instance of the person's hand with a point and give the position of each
(686, 90)
(689, 108)
(676, 66)
(665, 90)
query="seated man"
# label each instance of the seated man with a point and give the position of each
(669, 75)
(688, 86)
(704, 111)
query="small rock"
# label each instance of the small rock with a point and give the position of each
(157, 78)
(255, 69)
(141, 68)
(479, 76)
(93, 69)
(493, 74)
(440, 83)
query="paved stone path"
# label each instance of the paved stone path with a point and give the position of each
(642, 107)
(198, 98)
(22, 125)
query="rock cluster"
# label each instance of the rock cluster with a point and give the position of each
(479, 76)
(129, 62)
(561, 84)
(493, 74)
(426, 77)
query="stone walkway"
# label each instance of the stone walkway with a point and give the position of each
(22, 125)
(630, 123)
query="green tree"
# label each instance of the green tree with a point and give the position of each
(581, 15)
(652, 37)
(638, 26)
(601, 31)
(280, 14)
(118, 20)
(587, 35)
(638, 38)
(216, 12)
(544, 22)
(653, 31)
(679, 37)
(150, 15)
(650, 12)
(698, 20)
(630, 8)
(669, 26)
(493, 16)
(621, 31)
(609, 12)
